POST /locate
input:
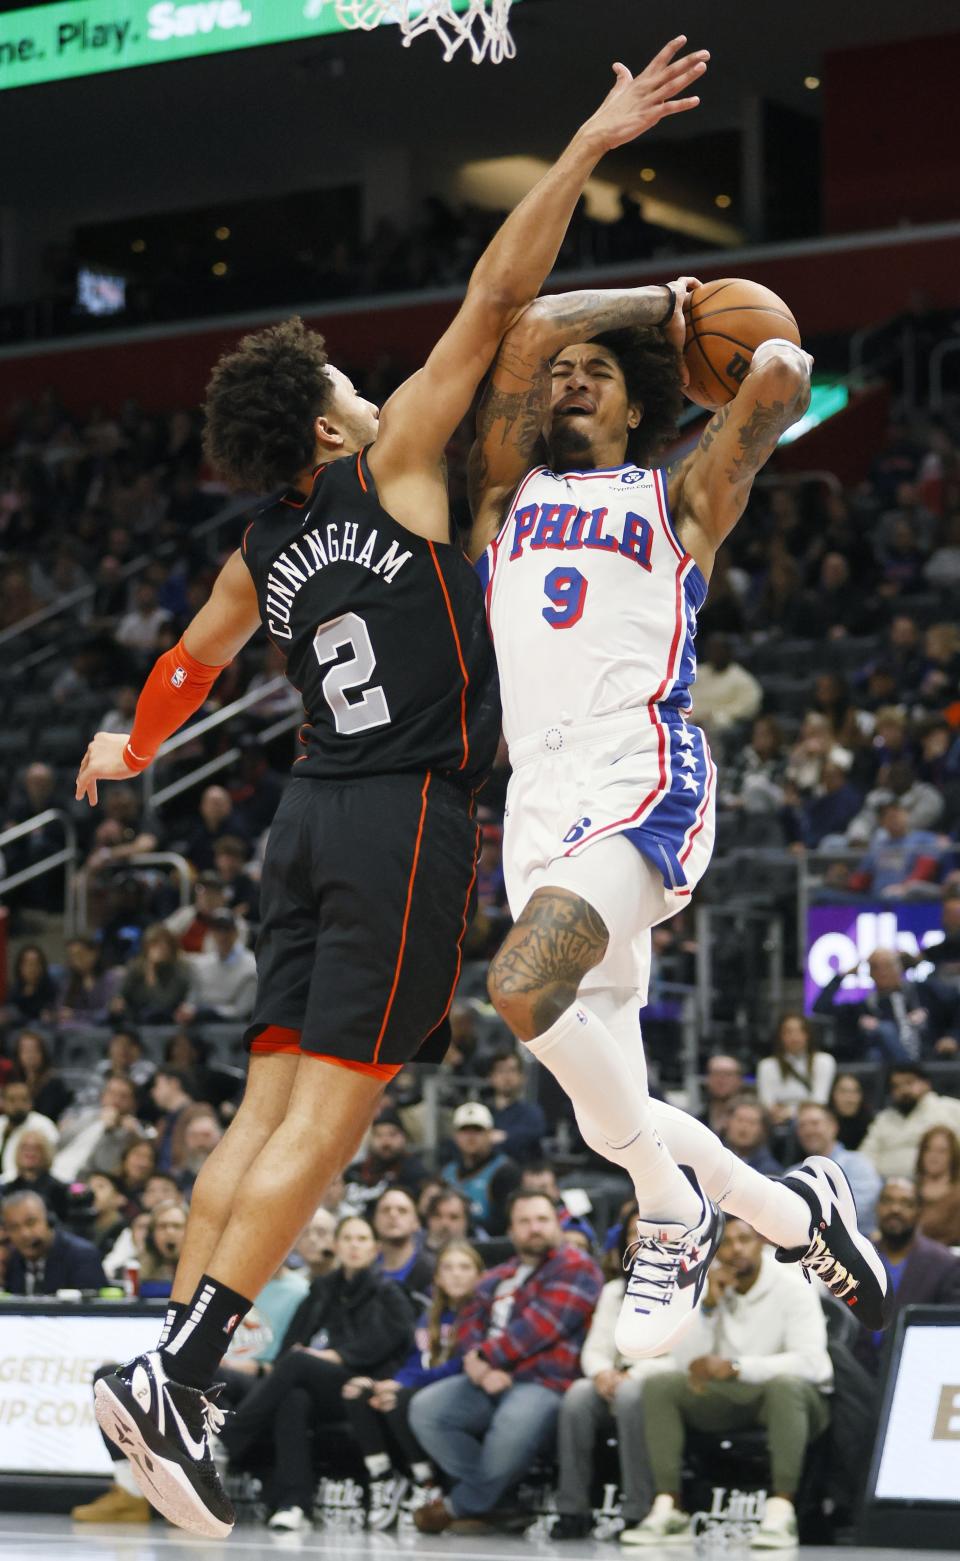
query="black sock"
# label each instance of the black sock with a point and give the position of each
(176, 1312)
(203, 1333)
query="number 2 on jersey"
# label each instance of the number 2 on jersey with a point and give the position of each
(371, 709)
(567, 591)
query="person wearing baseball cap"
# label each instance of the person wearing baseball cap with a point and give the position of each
(480, 1171)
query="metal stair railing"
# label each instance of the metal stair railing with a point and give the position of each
(154, 797)
(65, 858)
(77, 911)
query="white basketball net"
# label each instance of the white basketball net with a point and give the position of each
(483, 26)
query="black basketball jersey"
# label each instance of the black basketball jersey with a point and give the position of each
(384, 632)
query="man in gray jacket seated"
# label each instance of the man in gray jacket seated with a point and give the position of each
(755, 1355)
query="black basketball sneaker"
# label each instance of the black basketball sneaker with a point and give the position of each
(163, 1428)
(838, 1254)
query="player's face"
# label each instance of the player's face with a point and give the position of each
(356, 419)
(590, 415)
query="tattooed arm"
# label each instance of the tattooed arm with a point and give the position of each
(711, 490)
(516, 401)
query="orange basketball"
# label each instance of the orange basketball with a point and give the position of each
(726, 322)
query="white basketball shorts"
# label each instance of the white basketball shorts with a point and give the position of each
(593, 806)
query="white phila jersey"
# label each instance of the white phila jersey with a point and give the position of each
(592, 600)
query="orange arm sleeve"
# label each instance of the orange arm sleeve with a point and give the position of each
(175, 689)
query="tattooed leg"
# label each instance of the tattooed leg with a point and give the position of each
(535, 976)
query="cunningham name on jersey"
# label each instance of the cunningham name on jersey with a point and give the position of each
(592, 599)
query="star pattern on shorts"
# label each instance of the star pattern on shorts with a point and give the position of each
(685, 737)
(689, 784)
(688, 759)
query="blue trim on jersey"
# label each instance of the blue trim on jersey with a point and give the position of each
(661, 835)
(696, 575)
(482, 566)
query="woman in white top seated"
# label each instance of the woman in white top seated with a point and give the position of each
(795, 1072)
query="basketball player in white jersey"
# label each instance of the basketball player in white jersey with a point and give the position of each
(595, 565)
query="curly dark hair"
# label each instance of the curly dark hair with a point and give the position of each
(261, 403)
(651, 369)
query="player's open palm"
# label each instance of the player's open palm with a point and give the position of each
(102, 761)
(637, 103)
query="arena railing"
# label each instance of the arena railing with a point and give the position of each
(155, 798)
(76, 910)
(66, 857)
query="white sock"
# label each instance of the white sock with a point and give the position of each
(422, 1473)
(123, 1476)
(587, 1062)
(776, 1213)
(378, 1464)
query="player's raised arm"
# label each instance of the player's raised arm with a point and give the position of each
(418, 420)
(180, 681)
(713, 487)
(516, 399)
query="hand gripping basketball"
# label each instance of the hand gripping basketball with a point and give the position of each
(637, 103)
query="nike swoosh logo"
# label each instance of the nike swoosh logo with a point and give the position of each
(196, 1449)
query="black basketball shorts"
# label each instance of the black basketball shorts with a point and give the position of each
(365, 896)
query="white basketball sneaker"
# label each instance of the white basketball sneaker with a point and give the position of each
(667, 1267)
(838, 1254)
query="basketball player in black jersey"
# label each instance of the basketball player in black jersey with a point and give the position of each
(370, 864)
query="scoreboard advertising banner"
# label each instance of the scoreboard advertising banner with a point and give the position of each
(841, 937)
(85, 37)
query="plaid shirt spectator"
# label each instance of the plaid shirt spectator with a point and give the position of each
(551, 1312)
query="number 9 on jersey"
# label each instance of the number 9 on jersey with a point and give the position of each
(566, 590)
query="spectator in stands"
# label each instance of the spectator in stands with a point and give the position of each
(32, 1162)
(161, 1253)
(256, 1343)
(241, 893)
(223, 983)
(920, 1272)
(199, 1137)
(901, 863)
(95, 1138)
(482, 1172)
(748, 1135)
(85, 990)
(139, 1175)
(111, 1207)
(216, 820)
(724, 1082)
(446, 1217)
(755, 1355)
(942, 568)
(315, 1246)
(945, 956)
(190, 924)
(220, 1086)
(796, 1071)
(125, 1059)
(45, 1259)
(816, 1133)
(826, 813)
(897, 782)
(837, 606)
(893, 1140)
(541, 1177)
(402, 1257)
(387, 1163)
(32, 996)
(726, 693)
(155, 984)
(351, 1323)
(139, 629)
(120, 716)
(940, 672)
(519, 1125)
(900, 1021)
(938, 1185)
(33, 1066)
(753, 782)
(170, 1093)
(809, 753)
(521, 1336)
(255, 791)
(607, 1399)
(18, 1118)
(849, 1105)
(378, 1412)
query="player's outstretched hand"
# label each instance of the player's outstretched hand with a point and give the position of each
(675, 329)
(637, 103)
(103, 760)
